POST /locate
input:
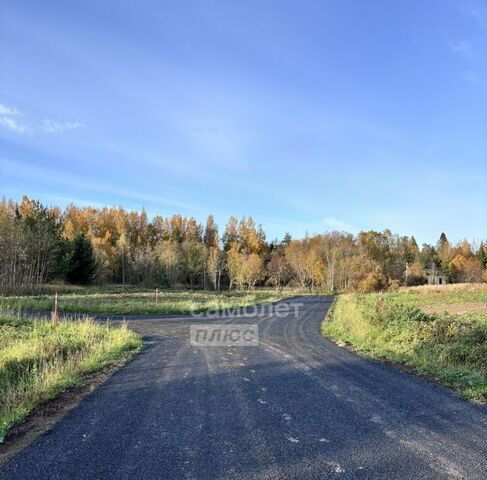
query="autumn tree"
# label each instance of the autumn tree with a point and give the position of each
(210, 237)
(168, 255)
(252, 270)
(30, 244)
(296, 259)
(234, 267)
(304, 262)
(366, 275)
(214, 267)
(230, 236)
(35, 246)
(194, 259)
(277, 271)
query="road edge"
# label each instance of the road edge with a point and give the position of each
(45, 417)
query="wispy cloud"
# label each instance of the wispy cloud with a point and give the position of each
(44, 174)
(4, 110)
(474, 61)
(339, 225)
(479, 12)
(12, 125)
(6, 120)
(462, 47)
(50, 126)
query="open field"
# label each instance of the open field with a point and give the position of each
(39, 359)
(454, 294)
(440, 331)
(127, 300)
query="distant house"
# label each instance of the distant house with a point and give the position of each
(434, 276)
(415, 275)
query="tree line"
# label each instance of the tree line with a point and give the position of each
(112, 245)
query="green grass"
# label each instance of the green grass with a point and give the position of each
(391, 326)
(117, 300)
(39, 359)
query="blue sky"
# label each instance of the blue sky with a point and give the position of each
(309, 116)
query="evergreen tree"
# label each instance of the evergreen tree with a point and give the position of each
(443, 249)
(429, 257)
(287, 239)
(442, 242)
(81, 266)
(482, 255)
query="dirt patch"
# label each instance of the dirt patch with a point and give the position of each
(44, 417)
(456, 308)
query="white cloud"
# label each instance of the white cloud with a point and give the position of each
(479, 13)
(4, 110)
(6, 120)
(339, 225)
(48, 125)
(12, 125)
(51, 126)
(475, 63)
(464, 48)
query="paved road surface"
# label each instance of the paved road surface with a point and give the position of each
(296, 406)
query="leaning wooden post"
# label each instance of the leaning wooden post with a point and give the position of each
(54, 314)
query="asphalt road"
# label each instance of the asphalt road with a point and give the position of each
(295, 406)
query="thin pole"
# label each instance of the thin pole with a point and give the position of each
(54, 315)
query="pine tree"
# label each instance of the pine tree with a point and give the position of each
(81, 266)
(442, 242)
(482, 255)
(287, 239)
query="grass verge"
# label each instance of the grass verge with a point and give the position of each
(142, 301)
(451, 348)
(39, 359)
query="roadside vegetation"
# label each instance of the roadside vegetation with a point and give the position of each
(122, 300)
(39, 359)
(440, 331)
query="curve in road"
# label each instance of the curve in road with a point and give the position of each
(295, 406)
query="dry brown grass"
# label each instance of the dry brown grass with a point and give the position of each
(446, 288)
(457, 308)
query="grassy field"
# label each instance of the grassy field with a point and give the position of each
(39, 359)
(440, 331)
(126, 300)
